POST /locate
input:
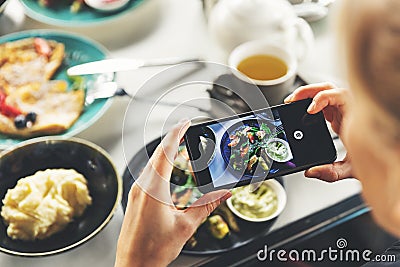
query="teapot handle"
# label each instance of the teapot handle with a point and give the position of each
(306, 37)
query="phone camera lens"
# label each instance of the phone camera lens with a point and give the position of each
(298, 135)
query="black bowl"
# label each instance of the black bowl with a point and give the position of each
(105, 188)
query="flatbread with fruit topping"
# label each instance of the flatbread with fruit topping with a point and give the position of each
(31, 104)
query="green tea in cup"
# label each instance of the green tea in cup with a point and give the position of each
(263, 67)
(271, 68)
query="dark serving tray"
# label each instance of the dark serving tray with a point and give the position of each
(207, 245)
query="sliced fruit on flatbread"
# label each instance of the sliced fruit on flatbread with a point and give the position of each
(28, 60)
(55, 109)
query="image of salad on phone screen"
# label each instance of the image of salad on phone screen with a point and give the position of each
(252, 146)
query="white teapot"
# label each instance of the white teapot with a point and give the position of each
(233, 22)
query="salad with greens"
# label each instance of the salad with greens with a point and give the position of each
(251, 146)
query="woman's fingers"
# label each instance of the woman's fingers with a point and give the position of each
(331, 172)
(323, 95)
(163, 157)
(203, 207)
(308, 91)
(323, 99)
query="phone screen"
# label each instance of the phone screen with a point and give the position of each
(259, 145)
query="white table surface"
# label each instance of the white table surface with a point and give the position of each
(166, 28)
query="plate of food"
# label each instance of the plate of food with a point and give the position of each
(241, 147)
(253, 147)
(74, 13)
(222, 231)
(36, 96)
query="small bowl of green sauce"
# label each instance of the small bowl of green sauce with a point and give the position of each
(258, 202)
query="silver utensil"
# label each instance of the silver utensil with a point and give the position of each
(311, 11)
(111, 89)
(122, 64)
(320, 2)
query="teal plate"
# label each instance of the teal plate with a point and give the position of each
(62, 16)
(77, 50)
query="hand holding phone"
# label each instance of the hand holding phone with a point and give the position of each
(334, 102)
(258, 145)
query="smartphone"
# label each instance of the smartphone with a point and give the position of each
(258, 145)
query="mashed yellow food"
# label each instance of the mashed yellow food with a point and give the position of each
(44, 203)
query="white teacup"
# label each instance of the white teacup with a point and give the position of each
(233, 22)
(274, 90)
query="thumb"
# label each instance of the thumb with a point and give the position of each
(205, 205)
(331, 172)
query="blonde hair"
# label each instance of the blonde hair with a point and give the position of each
(372, 38)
